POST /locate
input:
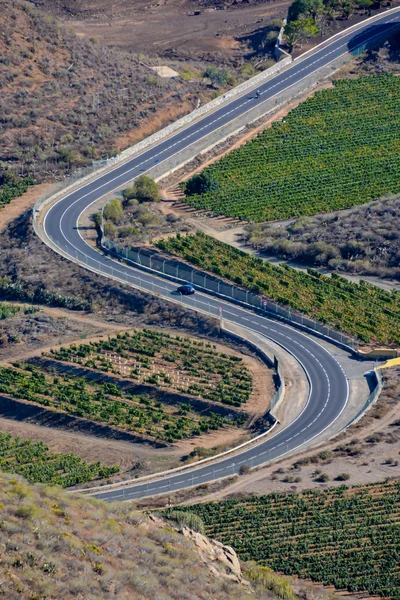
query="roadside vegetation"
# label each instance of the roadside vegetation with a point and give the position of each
(362, 310)
(364, 240)
(12, 186)
(37, 464)
(335, 150)
(311, 18)
(173, 362)
(344, 537)
(136, 217)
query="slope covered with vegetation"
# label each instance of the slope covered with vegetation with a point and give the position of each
(55, 546)
(65, 100)
(335, 150)
(365, 240)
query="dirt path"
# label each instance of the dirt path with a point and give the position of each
(19, 205)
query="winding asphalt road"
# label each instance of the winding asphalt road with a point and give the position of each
(328, 384)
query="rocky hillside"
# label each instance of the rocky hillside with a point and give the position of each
(57, 546)
(67, 101)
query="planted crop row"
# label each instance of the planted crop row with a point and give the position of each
(107, 404)
(37, 464)
(349, 538)
(337, 149)
(163, 360)
(15, 188)
(362, 310)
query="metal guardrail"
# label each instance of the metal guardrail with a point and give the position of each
(182, 272)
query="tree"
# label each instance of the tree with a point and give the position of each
(113, 210)
(216, 75)
(306, 8)
(298, 31)
(347, 8)
(129, 194)
(201, 183)
(97, 219)
(146, 189)
(366, 5)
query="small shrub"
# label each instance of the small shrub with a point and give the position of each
(186, 519)
(244, 469)
(342, 477)
(113, 210)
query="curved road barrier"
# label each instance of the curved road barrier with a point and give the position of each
(329, 388)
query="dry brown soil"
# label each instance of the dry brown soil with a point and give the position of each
(169, 28)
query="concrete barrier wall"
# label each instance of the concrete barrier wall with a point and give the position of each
(379, 353)
(371, 398)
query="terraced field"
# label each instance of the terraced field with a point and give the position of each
(107, 403)
(337, 149)
(349, 538)
(159, 386)
(169, 361)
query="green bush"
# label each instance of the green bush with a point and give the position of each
(266, 579)
(146, 189)
(186, 519)
(109, 230)
(113, 210)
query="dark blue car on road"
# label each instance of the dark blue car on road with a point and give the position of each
(186, 290)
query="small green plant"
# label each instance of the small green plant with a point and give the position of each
(342, 477)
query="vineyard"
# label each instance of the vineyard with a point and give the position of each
(179, 363)
(11, 187)
(362, 310)
(107, 403)
(349, 538)
(337, 149)
(37, 464)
